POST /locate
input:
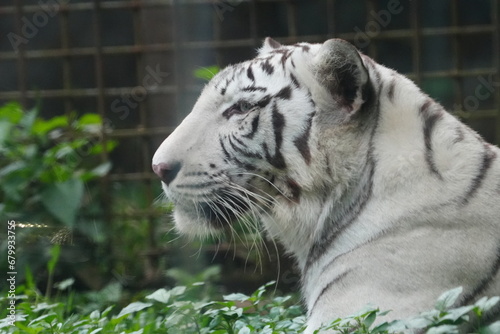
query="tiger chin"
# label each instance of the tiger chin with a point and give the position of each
(381, 195)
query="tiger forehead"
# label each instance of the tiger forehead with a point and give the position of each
(270, 63)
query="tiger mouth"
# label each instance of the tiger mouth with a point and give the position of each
(223, 211)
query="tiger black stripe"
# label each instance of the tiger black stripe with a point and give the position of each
(294, 80)
(311, 100)
(390, 90)
(238, 149)
(285, 93)
(254, 89)
(264, 101)
(484, 283)
(304, 47)
(285, 54)
(267, 67)
(224, 150)
(255, 126)
(250, 74)
(302, 141)
(488, 157)
(337, 225)
(460, 135)
(230, 157)
(278, 121)
(295, 189)
(430, 117)
(328, 287)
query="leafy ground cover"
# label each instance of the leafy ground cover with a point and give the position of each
(178, 311)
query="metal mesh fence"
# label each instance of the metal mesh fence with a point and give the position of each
(132, 61)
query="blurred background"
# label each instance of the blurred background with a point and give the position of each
(100, 84)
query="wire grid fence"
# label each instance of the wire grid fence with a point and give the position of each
(132, 60)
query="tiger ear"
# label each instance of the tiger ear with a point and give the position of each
(269, 45)
(340, 69)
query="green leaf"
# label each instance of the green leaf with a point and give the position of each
(30, 281)
(14, 167)
(458, 313)
(178, 290)
(206, 73)
(370, 319)
(98, 171)
(244, 330)
(447, 299)
(134, 307)
(486, 304)
(236, 297)
(107, 310)
(29, 119)
(5, 127)
(63, 199)
(90, 119)
(63, 285)
(55, 251)
(160, 295)
(99, 148)
(111, 293)
(444, 329)
(494, 328)
(95, 315)
(43, 306)
(42, 127)
(11, 112)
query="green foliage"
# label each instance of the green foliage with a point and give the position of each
(163, 311)
(45, 163)
(173, 311)
(47, 169)
(206, 73)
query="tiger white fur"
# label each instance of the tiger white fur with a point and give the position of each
(381, 195)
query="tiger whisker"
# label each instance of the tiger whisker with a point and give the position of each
(266, 180)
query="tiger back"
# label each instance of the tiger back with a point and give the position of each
(381, 195)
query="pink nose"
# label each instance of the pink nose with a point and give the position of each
(167, 171)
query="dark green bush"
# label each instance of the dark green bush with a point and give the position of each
(48, 170)
(174, 311)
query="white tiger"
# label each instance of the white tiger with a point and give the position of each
(381, 195)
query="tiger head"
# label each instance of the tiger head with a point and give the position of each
(263, 136)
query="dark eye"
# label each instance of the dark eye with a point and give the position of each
(245, 106)
(241, 107)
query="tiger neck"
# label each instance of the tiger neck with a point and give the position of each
(307, 228)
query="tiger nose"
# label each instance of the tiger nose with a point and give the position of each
(167, 171)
